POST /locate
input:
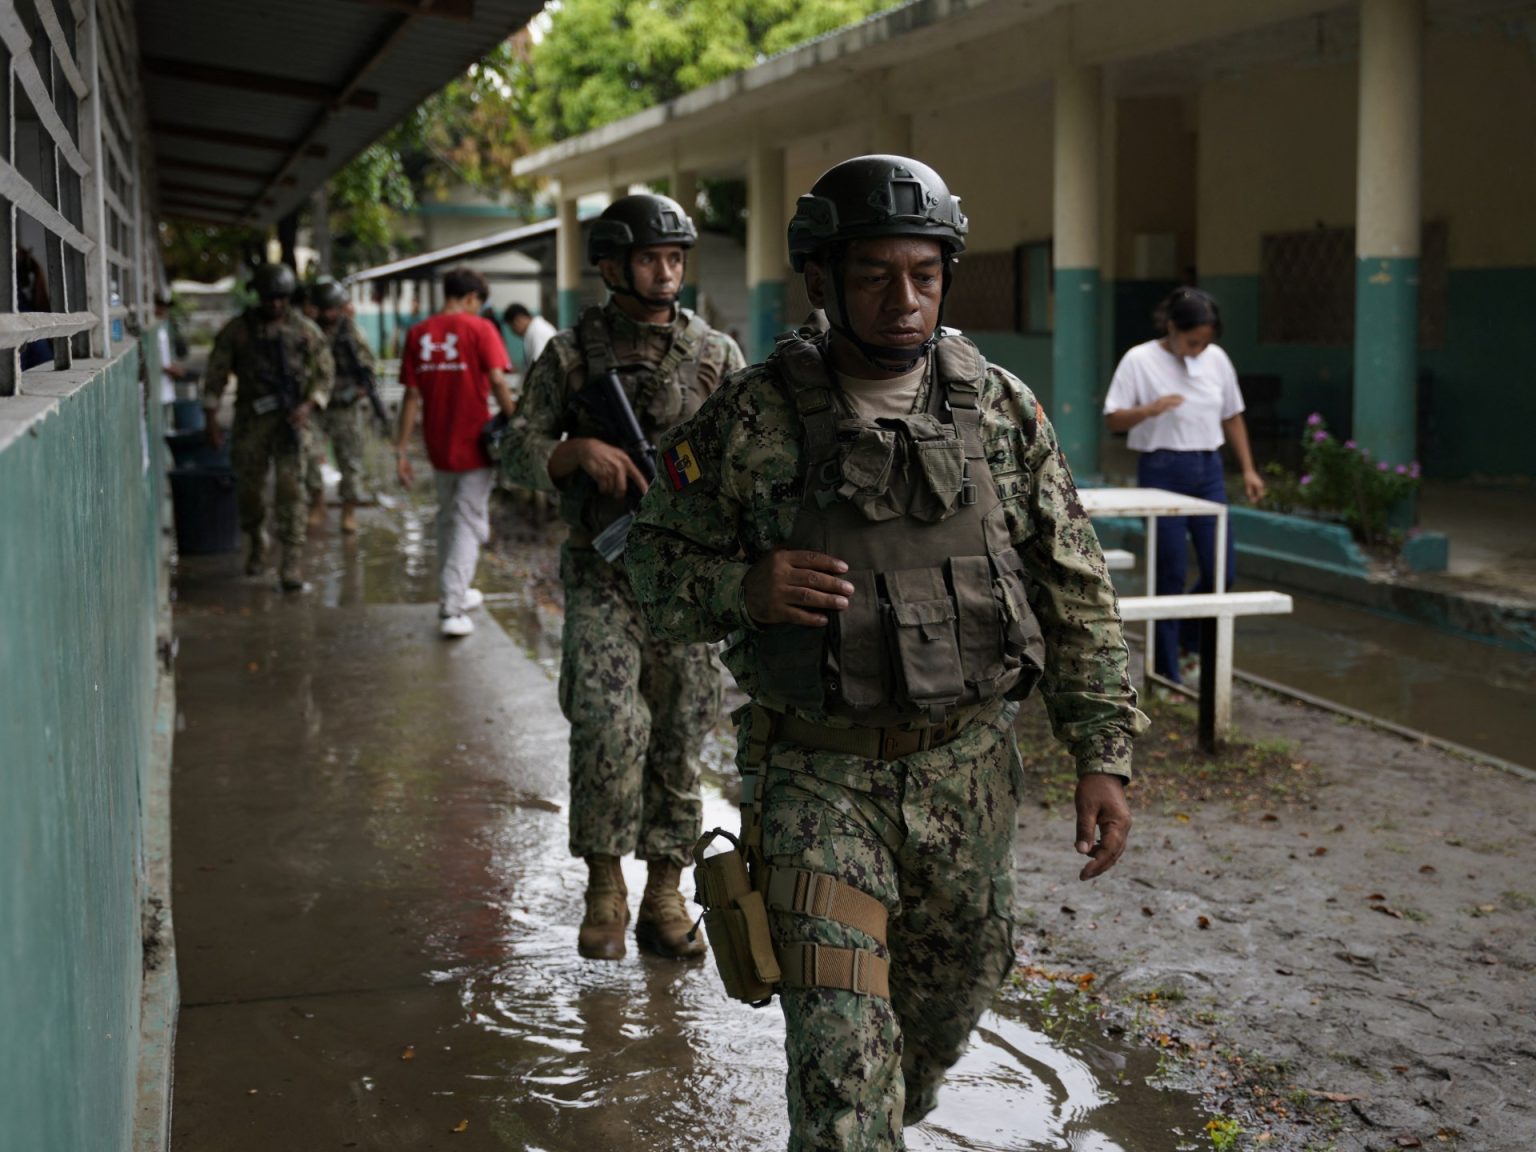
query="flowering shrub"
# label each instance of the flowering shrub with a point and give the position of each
(1340, 481)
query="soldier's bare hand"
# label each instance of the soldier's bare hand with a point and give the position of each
(610, 467)
(1103, 822)
(789, 586)
(299, 417)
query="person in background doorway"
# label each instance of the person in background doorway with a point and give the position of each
(533, 331)
(1177, 397)
(171, 367)
(451, 364)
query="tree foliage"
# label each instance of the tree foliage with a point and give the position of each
(602, 60)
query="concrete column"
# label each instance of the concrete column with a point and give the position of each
(568, 262)
(1075, 344)
(767, 247)
(892, 134)
(1387, 228)
(685, 190)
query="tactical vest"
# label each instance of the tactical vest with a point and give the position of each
(662, 394)
(269, 366)
(348, 374)
(939, 621)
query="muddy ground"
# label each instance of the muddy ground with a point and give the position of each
(1328, 930)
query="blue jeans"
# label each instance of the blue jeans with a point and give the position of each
(1196, 474)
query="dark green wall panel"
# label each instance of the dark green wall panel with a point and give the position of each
(79, 563)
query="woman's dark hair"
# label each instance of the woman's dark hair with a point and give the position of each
(1187, 308)
(460, 282)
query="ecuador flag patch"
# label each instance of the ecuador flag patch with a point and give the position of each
(682, 466)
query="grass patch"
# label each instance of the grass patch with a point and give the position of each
(1172, 771)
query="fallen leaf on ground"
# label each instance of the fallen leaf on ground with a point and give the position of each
(1204, 922)
(252, 666)
(1427, 868)
(1269, 818)
(461, 1126)
(408, 1052)
(1376, 896)
(1337, 1097)
(1393, 912)
(1145, 911)
(1319, 851)
(1069, 910)
(1409, 1142)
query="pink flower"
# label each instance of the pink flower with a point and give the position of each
(1319, 436)
(1382, 466)
(1349, 444)
(1413, 470)
(1314, 420)
(1401, 469)
(1305, 480)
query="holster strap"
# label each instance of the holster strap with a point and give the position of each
(847, 969)
(872, 743)
(818, 894)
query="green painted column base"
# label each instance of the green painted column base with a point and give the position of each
(767, 319)
(689, 297)
(1075, 368)
(1387, 357)
(569, 307)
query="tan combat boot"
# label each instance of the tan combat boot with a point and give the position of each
(664, 924)
(602, 928)
(256, 554)
(291, 574)
(349, 517)
(317, 510)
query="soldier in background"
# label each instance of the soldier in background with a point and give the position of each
(342, 421)
(639, 706)
(883, 476)
(283, 372)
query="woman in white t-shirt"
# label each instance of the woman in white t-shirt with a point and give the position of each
(1178, 399)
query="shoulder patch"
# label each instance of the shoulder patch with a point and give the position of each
(682, 465)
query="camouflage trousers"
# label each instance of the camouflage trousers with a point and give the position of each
(342, 425)
(639, 710)
(258, 443)
(931, 837)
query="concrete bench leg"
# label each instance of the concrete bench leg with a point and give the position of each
(1215, 682)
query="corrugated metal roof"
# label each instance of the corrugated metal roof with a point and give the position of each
(252, 88)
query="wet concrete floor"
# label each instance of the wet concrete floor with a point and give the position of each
(376, 913)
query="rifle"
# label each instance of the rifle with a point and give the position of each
(608, 404)
(367, 381)
(284, 394)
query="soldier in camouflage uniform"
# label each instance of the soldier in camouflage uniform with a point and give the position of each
(283, 373)
(342, 421)
(884, 526)
(639, 707)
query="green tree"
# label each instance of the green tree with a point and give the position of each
(602, 60)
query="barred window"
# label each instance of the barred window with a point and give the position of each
(72, 221)
(1307, 286)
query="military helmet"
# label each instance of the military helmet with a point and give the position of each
(637, 221)
(273, 281)
(871, 196)
(327, 293)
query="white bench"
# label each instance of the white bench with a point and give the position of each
(1223, 607)
(1118, 559)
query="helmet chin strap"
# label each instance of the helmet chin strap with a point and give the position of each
(883, 356)
(628, 287)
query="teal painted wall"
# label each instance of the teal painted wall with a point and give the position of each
(1027, 357)
(1075, 376)
(79, 595)
(766, 322)
(1386, 357)
(1478, 389)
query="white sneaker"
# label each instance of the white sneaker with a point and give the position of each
(454, 627)
(473, 599)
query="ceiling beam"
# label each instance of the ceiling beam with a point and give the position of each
(179, 164)
(174, 186)
(461, 10)
(267, 85)
(233, 139)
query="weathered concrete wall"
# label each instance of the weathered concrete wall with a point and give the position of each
(80, 590)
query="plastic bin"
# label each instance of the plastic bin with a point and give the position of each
(188, 415)
(207, 514)
(192, 450)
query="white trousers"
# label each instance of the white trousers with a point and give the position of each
(463, 525)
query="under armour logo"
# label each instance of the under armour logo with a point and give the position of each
(449, 346)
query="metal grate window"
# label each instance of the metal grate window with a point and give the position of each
(72, 217)
(1307, 286)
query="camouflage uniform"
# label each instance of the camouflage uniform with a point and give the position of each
(639, 707)
(929, 834)
(342, 421)
(257, 351)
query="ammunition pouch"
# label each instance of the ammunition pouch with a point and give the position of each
(737, 922)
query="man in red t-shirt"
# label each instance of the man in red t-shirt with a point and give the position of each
(450, 365)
